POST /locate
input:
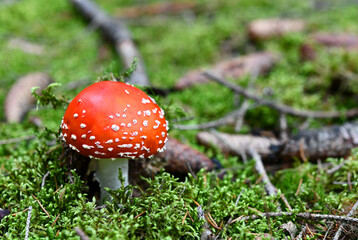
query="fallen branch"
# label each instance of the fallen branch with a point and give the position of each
(116, 31)
(332, 141)
(279, 106)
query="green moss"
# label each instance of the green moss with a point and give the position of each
(213, 31)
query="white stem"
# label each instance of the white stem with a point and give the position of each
(107, 174)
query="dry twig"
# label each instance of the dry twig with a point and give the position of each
(303, 215)
(279, 106)
(81, 233)
(350, 213)
(118, 33)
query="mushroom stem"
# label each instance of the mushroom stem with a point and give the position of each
(107, 174)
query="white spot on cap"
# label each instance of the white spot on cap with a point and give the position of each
(64, 126)
(137, 145)
(92, 137)
(82, 125)
(145, 148)
(144, 137)
(141, 156)
(158, 123)
(75, 115)
(145, 123)
(79, 100)
(135, 121)
(139, 113)
(73, 136)
(134, 133)
(125, 146)
(160, 141)
(145, 100)
(118, 115)
(155, 110)
(152, 99)
(125, 109)
(110, 149)
(111, 116)
(163, 134)
(83, 136)
(115, 127)
(124, 115)
(85, 146)
(124, 138)
(73, 147)
(126, 91)
(147, 112)
(109, 141)
(116, 140)
(128, 105)
(123, 124)
(129, 125)
(65, 134)
(84, 111)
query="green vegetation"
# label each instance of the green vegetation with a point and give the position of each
(171, 45)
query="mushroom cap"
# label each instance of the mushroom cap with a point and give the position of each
(114, 120)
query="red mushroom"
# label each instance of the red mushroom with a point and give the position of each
(114, 122)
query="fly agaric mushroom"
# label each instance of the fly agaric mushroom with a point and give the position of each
(114, 122)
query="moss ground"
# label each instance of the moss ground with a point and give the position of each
(171, 45)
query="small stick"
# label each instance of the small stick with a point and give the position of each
(44, 179)
(336, 168)
(140, 214)
(327, 232)
(299, 187)
(81, 233)
(259, 166)
(350, 213)
(283, 198)
(186, 214)
(15, 140)
(281, 107)
(54, 222)
(41, 206)
(211, 223)
(303, 215)
(303, 230)
(28, 222)
(283, 127)
(212, 219)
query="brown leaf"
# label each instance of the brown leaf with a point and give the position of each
(254, 64)
(263, 29)
(3, 213)
(178, 155)
(345, 41)
(19, 99)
